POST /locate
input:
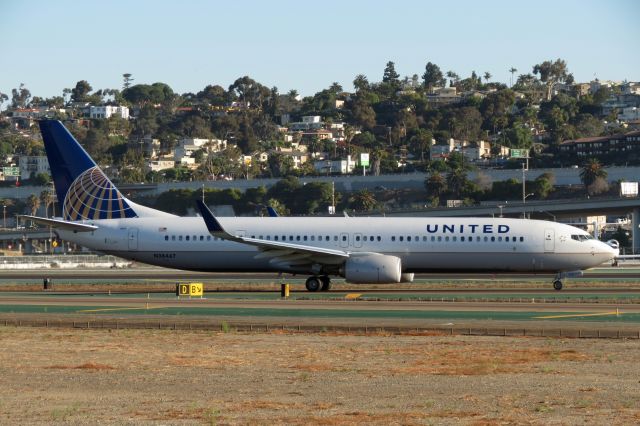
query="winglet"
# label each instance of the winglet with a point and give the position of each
(272, 212)
(209, 219)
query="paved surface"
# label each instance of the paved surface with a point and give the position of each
(612, 306)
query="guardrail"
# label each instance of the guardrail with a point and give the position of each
(61, 261)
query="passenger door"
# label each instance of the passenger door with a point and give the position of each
(132, 237)
(549, 240)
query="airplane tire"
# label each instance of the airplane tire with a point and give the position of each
(313, 284)
(326, 283)
(557, 285)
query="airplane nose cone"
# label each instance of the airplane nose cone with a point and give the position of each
(612, 247)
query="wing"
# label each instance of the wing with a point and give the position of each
(281, 253)
(61, 224)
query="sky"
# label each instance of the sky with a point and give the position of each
(189, 44)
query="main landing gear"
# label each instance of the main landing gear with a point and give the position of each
(557, 285)
(315, 283)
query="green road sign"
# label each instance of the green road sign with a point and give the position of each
(11, 171)
(519, 153)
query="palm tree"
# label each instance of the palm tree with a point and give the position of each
(487, 76)
(512, 70)
(592, 171)
(435, 185)
(363, 200)
(33, 204)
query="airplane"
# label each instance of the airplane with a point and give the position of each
(95, 214)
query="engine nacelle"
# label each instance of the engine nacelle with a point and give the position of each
(373, 268)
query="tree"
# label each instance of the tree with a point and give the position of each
(363, 200)
(20, 97)
(126, 80)
(363, 114)
(46, 199)
(81, 91)
(33, 204)
(591, 171)
(551, 73)
(436, 185)
(360, 83)
(487, 76)
(432, 76)
(512, 70)
(390, 75)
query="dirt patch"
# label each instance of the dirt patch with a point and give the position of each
(197, 377)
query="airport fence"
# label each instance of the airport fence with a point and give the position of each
(187, 325)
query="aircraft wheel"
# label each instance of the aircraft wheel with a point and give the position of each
(326, 283)
(313, 284)
(557, 285)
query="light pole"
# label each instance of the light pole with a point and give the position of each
(500, 206)
(4, 216)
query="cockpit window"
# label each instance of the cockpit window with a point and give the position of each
(581, 237)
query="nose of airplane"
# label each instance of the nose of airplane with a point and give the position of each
(612, 247)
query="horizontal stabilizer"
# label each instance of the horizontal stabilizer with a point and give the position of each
(61, 224)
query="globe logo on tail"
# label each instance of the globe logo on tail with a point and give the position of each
(93, 196)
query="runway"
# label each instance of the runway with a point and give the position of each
(606, 301)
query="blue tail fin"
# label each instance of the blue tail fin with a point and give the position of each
(83, 190)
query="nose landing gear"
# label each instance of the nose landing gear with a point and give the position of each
(557, 285)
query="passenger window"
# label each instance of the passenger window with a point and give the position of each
(335, 238)
(393, 238)
(327, 238)
(446, 238)
(455, 238)
(379, 238)
(290, 237)
(417, 239)
(180, 238)
(499, 238)
(208, 237)
(401, 238)
(305, 238)
(275, 237)
(521, 239)
(201, 237)
(166, 238)
(424, 238)
(439, 238)
(409, 238)
(195, 238)
(186, 238)
(493, 239)
(433, 238)
(357, 238)
(344, 238)
(462, 238)
(297, 237)
(173, 238)
(486, 239)
(313, 238)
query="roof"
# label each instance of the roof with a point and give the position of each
(600, 138)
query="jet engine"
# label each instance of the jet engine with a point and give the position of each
(373, 268)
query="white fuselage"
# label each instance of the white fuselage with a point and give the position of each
(423, 244)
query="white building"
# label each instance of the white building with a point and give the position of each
(107, 111)
(342, 166)
(158, 165)
(33, 164)
(629, 114)
(471, 151)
